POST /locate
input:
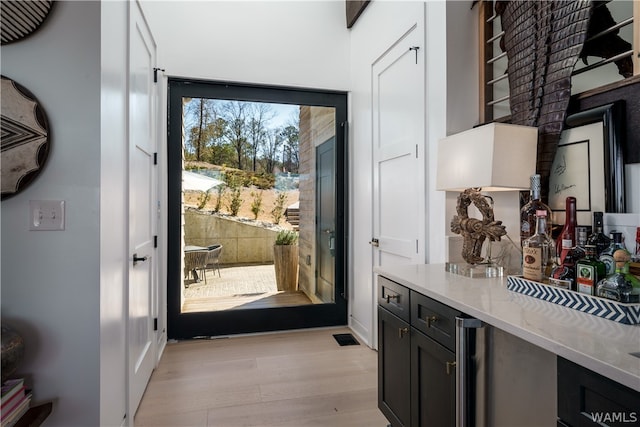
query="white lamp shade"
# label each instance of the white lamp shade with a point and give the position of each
(495, 157)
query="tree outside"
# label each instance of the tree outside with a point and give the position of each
(246, 145)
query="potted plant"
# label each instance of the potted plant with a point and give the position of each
(285, 258)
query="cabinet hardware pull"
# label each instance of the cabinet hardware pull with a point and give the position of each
(430, 320)
(390, 297)
(449, 366)
(402, 332)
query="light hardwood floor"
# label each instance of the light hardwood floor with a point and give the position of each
(300, 378)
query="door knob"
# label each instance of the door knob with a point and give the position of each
(374, 242)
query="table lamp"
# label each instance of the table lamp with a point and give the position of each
(491, 157)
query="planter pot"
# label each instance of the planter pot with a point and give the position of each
(285, 258)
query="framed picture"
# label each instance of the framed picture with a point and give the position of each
(589, 164)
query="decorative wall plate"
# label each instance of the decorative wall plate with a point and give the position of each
(24, 135)
(22, 18)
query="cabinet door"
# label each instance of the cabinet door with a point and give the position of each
(586, 398)
(433, 383)
(394, 353)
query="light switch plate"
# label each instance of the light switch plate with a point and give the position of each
(46, 214)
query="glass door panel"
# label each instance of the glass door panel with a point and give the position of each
(255, 208)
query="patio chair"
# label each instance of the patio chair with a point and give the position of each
(194, 261)
(213, 259)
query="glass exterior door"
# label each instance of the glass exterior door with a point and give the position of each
(256, 208)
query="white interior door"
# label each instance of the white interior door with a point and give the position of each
(142, 198)
(398, 152)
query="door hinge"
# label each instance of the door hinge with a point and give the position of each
(155, 241)
(417, 250)
(155, 324)
(155, 73)
(155, 158)
(416, 151)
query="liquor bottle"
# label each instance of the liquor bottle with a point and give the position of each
(578, 251)
(528, 211)
(567, 237)
(538, 251)
(589, 271)
(607, 255)
(620, 286)
(598, 238)
(564, 275)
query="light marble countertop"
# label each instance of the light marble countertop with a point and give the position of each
(601, 345)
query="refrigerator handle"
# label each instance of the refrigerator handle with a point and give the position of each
(465, 399)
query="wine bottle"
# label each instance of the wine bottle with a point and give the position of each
(636, 256)
(567, 238)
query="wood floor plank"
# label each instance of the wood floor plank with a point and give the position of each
(298, 378)
(242, 302)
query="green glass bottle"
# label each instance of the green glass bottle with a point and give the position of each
(589, 271)
(607, 255)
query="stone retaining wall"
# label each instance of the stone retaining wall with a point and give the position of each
(242, 243)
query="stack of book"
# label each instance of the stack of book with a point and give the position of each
(15, 401)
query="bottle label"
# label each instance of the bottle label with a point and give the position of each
(611, 294)
(609, 263)
(560, 283)
(532, 264)
(585, 278)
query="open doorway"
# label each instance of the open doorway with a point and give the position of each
(256, 208)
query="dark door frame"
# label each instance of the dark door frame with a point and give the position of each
(189, 325)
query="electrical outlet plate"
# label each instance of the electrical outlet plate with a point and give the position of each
(46, 215)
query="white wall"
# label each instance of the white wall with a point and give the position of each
(51, 279)
(290, 43)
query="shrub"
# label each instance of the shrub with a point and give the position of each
(287, 237)
(220, 190)
(256, 203)
(204, 199)
(235, 201)
(278, 207)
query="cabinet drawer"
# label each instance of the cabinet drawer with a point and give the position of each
(393, 297)
(434, 319)
(582, 392)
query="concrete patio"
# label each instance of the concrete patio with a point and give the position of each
(238, 287)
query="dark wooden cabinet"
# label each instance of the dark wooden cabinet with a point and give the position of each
(394, 353)
(416, 358)
(584, 395)
(433, 386)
